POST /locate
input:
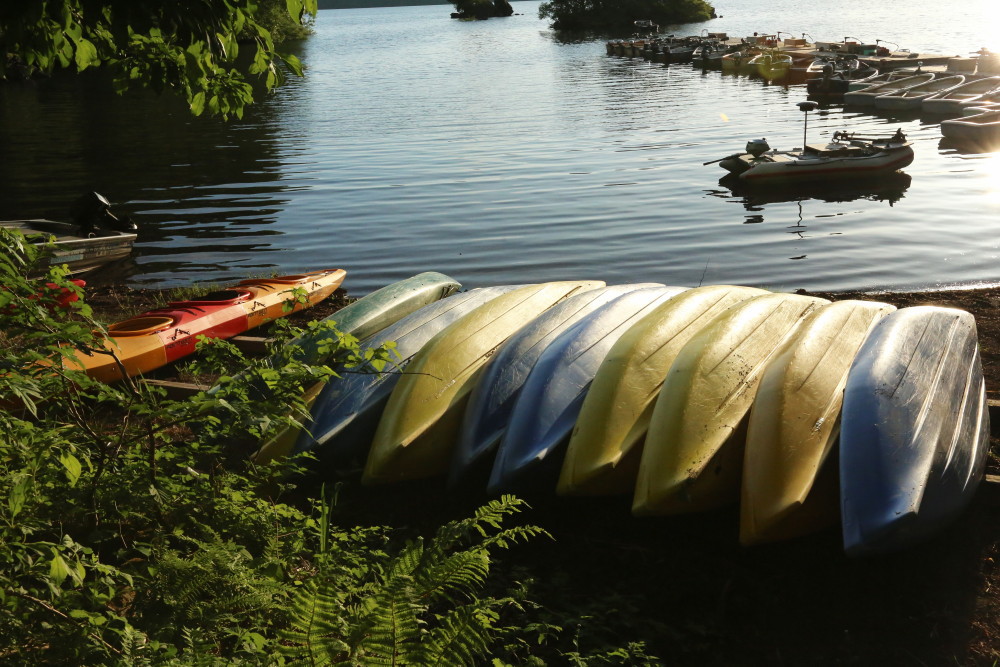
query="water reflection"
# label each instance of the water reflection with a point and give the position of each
(890, 188)
(205, 193)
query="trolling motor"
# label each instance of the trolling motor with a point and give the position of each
(92, 211)
(805, 108)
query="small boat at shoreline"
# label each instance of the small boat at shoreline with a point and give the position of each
(913, 97)
(155, 338)
(866, 96)
(848, 156)
(915, 429)
(95, 237)
(836, 75)
(885, 77)
(771, 64)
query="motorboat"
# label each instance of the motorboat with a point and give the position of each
(952, 101)
(738, 61)
(866, 96)
(709, 54)
(95, 237)
(848, 155)
(981, 129)
(833, 76)
(770, 64)
(913, 97)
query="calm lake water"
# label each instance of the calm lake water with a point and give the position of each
(496, 153)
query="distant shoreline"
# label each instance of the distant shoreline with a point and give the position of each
(367, 4)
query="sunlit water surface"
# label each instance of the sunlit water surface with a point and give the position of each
(496, 153)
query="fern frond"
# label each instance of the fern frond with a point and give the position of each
(464, 572)
(392, 625)
(317, 627)
(460, 637)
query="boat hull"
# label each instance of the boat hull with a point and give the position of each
(794, 424)
(542, 420)
(796, 169)
(346, 411)
(493, 398)
(418, 429)
(78, 253)
(692, 458)
(606, 444)
(915, 429)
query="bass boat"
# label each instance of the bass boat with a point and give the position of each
(849, 155)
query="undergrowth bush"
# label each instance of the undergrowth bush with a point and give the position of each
(138, 530)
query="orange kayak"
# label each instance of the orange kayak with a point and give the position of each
(153, 339)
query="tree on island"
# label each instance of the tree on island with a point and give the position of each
(188, 47)
(619, 15)
(481, 9)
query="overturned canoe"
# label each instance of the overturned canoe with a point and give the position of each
(693, 455)
(496, 392)
(361, 319)
(546, 410)
(153, 339)
(915, 429)
(347, 411)
(419, 426)
(789, 488)
(604, 449)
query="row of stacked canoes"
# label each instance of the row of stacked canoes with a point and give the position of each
(797, 409)
(686, 399)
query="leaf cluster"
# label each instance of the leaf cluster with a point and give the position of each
(139, 530)
(192, 48)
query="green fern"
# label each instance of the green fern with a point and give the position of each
(423, 606)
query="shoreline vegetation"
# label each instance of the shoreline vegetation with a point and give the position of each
(137, 530)
(608, 16)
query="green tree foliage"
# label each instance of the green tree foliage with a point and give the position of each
(192, 47)
(619, 15)
(138, 530)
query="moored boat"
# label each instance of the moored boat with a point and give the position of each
(866, 96)
(885, 77)
(952, 101)
(836, 75)
(982, 129)
(913, 97)
(771, 64)
(95, 237)
(849, 155)
(915, 429)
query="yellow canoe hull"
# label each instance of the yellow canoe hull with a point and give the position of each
(606, 445)
(795, 422)
(420, 424)
(692, 457)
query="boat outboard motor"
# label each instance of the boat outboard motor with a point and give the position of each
(757, 147)
(93, 210)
